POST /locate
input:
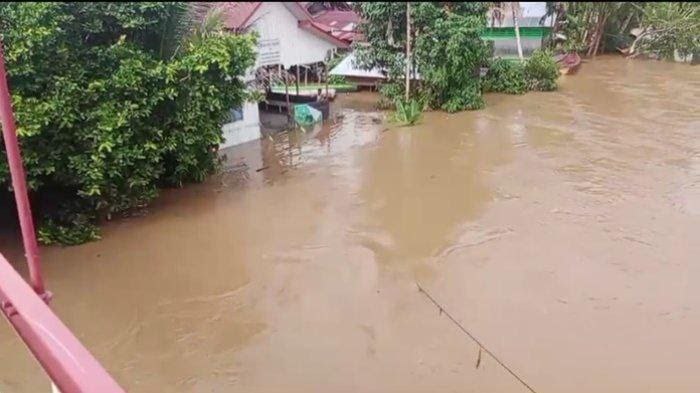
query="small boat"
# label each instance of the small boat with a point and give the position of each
(568, 63)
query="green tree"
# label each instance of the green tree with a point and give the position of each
(669, 26)
(447, 50)
(108, 107)
(585, 24)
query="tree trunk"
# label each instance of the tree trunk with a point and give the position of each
(597, 35)
(635, 42)
(626, 23)
(517, 31)
(587, 32)
(601, 32)
(592, 41)
(594, 36)
(389, 33)
(408, 49)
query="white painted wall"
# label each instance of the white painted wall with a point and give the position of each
(297, 46)
(245, 130)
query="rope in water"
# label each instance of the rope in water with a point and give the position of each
(465, 331)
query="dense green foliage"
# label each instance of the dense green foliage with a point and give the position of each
(75, 229)
(583, 23)
(107, 109)
(592, 28)
(447, 53)
(505, 76)
(389, 93)
(541, 71)
(451, 54)
(671, 26)
(447, 49)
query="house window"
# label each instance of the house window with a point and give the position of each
(236, 114)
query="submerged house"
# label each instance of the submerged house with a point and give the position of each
(288, 36)
(348, 69)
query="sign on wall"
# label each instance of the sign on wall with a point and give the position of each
(269, 52)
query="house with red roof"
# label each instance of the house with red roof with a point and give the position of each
(337, 18)
(288, 36)
(288, 33)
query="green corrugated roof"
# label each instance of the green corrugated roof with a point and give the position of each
(504, 33)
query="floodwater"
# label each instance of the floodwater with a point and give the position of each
(560, 229)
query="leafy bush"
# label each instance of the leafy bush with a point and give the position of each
(79, 229)
(541, 71)
(505, 77)
(456, 53)
(106, 112)
(389, 93)
(392, 91)
(670, 26)
(206, 83)
(407, 112)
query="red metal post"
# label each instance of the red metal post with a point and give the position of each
(19, 182)
(70, 366)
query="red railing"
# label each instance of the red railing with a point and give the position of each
(70, 366)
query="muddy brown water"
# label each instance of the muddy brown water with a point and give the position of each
(560, 228)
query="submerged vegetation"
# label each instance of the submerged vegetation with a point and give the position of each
(539, 72)
(407, 112)
(656, 29)
(447, 50)
(448, 54)
(505, 76)
(113, 100)
(669, 27)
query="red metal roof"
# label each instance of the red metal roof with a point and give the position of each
(329, 25)
(238, 13)
(340, 24)
(335, 18)
(323, 31)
